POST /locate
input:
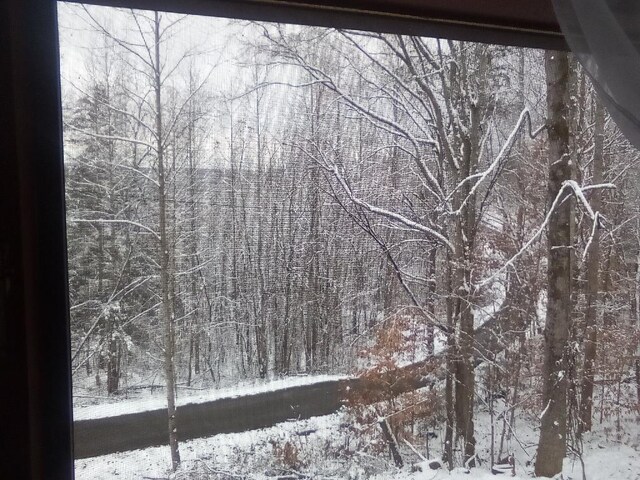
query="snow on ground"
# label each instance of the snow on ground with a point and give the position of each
(159, 400)
(615, 463)
(606, 456)
(232, 453)
(327, 448)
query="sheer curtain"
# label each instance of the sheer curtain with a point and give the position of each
(605, 36)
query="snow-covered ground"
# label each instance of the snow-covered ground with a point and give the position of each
(230, 454)
(327, 448)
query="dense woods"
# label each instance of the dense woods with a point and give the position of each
(256, 201)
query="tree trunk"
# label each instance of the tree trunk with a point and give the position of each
(450, 367)
(638, 379)
(553, 429)
(391, 441)
(431, 297)
(593, 279)
(113, 362)
(194, 342)
(165, 262)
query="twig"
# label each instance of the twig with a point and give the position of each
(218, 472)
(414, 450)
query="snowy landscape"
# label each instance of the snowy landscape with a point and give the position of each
(307, 253)
(326, 453)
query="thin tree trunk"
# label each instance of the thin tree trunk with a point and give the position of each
(431, 297)
(553, 429)
(194, 341)
(165, 262)
(190, 361)
(638, 378)
(113, 360)
(391, 441)
(450, 366)
(593, 280)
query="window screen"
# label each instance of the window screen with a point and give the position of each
(304, 252)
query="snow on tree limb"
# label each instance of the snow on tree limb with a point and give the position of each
(107, 220)
(112, 137)
(139, 172)
(96, 98)
(525, 116)
(578, 193)
(391, 215)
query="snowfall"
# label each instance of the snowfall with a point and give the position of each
(327, 448)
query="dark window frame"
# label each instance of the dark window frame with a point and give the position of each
(35, 380)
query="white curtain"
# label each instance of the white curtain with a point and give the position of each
(605, 36)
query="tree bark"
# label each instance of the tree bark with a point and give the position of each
(165, 260)
(391, 441)
(593, 280)
(553, 429)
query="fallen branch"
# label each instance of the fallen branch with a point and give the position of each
(391, 442)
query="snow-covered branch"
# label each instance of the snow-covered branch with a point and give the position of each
(578, 192)
(389, 214)
(525, 116)
(112, 137)
(139, 172)
(124, 222)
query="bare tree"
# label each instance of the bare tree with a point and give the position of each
(553, 430)
(146, 57)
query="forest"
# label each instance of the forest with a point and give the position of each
(250, 203)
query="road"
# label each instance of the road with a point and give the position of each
(226, 415)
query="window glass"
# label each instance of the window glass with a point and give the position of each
(301, 252)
